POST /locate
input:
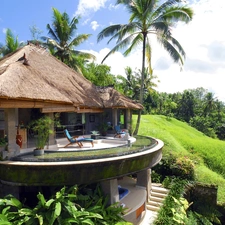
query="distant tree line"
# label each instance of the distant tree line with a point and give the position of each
(198, 107)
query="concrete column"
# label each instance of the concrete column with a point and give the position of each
(51, 140)
(144, 180)
(110, 188)
(115, 117)
(11, 122)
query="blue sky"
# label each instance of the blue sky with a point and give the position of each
(203, 39)
(94, 16)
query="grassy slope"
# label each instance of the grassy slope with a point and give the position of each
(181, 139)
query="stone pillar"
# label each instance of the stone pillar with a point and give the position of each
(11, 122)
(144, 180)
(51, 140)
(115, 117)
(110, 188)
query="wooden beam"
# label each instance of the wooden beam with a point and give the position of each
(4, 103)
(78, 110)
(46, 107)
(59, 108)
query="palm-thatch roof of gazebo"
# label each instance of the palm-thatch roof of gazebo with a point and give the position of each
(32, 77)
(113, 99)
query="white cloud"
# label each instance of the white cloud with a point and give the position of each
(85, 7)
(94, 25)
(203, 42)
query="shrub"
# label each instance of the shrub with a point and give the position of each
(179, 166)
(62, 208)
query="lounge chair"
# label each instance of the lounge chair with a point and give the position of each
(118, 131)
(76, 140)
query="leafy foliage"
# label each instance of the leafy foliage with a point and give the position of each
(11, 43)
(43, 127)
(178, 166)
(66, 207)
(99, 74)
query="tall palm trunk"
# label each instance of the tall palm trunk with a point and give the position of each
(142, 84)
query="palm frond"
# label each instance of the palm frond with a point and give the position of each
(135, 42)
(79, 39)
(52, 33)
(173, 52)
(127, 30)
(141, 10)
(148, 53)
(159, 26)
(54, 43)
(73, 25)
(125, 2)
(178, 13)
(120, 45)
(178, 46)
(109, 31)
(84, 55)
(169, 3)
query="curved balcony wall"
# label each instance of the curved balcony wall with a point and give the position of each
(79, 172)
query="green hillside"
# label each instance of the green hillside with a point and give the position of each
(180, 139)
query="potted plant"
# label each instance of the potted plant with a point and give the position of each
(42, 127)
(103, 128)
(94, 134)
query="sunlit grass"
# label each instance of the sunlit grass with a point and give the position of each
(181, 139)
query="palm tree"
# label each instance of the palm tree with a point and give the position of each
(12, 43)
(148, 82)
(209, 104)
(147, 18)
(62, 41)
(129, 85)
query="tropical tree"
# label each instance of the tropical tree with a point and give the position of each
(128, 84)
(35, 32)
(62, 40)
(185, 107)
(99, 74)
(209, 104)
(11, 43)
(148, 18)
(148, 81)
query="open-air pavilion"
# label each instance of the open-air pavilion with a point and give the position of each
(31, 81)
(31, 78)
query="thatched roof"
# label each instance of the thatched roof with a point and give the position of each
(43, 78)
(113, 99)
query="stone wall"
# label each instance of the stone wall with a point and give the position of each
(202, 195)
